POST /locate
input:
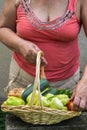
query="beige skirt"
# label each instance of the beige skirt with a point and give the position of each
(19, 78)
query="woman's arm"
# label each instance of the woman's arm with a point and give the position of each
(8, 25)
(80, 96)
(8, 34)
(83, 15)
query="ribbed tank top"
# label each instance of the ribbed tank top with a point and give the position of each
(58, 39)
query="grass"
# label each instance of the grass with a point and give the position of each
(2, 120)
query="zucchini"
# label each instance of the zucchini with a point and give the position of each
(43, 85)
(50, 90)
(56, 91)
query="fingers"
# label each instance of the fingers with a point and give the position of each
(83, 104)
(79, 104)
(43, 61)
(79, 97)
(29, 51)
(73, 95)
(76, 103)
(31, 58)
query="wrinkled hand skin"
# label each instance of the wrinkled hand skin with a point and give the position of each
(29, 51)
(80, 96)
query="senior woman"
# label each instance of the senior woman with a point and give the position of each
(51, 26)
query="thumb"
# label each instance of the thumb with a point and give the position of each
(72, 97)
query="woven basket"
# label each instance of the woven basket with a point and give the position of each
(39, 114)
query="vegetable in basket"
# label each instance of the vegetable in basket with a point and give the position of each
(45, 102)
(49, 96)
(56, 104)
(56, 91)
(43, 85)
(59, 101)
(63, 98)
(28, 99)
(14, 101)
(70, 105)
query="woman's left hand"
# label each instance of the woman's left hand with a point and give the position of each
(80, 96)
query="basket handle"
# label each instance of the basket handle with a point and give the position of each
(37, 80)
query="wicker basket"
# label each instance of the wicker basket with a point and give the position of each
(39, 114)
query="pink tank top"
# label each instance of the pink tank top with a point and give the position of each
(58, 39)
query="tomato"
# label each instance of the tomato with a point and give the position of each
(70, 105)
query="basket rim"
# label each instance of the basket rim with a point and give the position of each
(25, 108)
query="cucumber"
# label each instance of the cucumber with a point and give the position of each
(43, 85)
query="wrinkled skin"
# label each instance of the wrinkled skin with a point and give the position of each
(79, 96)
(80, 99)
(49, 11)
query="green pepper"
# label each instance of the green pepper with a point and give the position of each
(14, 101)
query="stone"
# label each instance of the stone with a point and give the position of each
(76, 123)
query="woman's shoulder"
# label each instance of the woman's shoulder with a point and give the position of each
(14, 3)
(81, 6)
(8, 14)
(17, 2)
(83, 2)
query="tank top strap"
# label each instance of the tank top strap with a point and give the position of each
(24, 1)
(25, 4)
(29, 1)
(72, 5)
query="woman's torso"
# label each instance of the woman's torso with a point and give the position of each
(56, 35)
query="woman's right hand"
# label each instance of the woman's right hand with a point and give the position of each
(29, 51)
(9, 37)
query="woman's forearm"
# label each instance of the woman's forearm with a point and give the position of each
(84, 76)
(10, 39)
(26, 48)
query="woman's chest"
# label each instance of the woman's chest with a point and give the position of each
(62, 28)
(50, 10)
(64, 31)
